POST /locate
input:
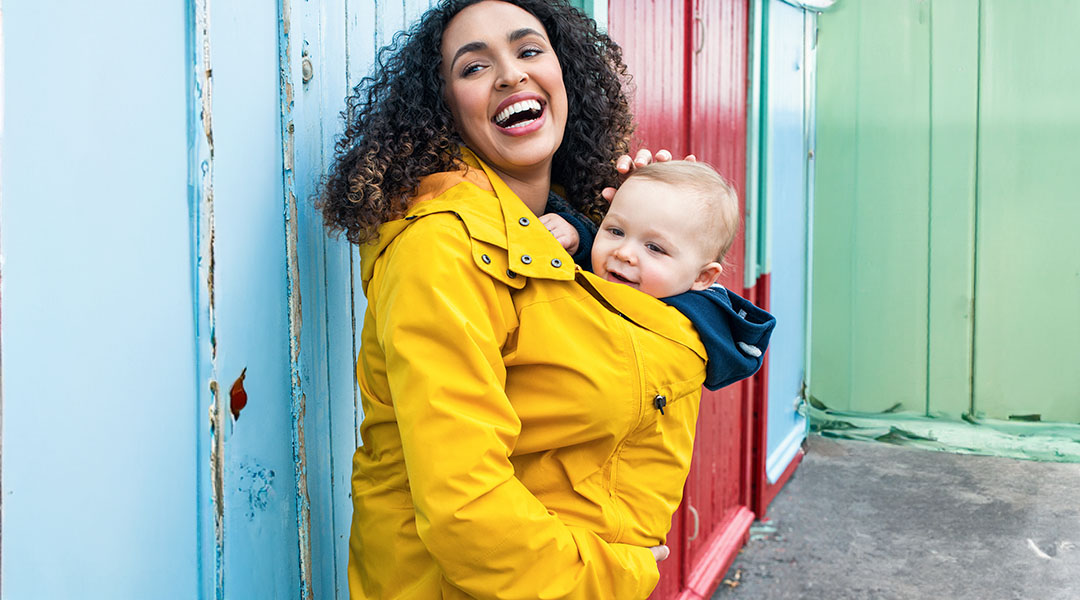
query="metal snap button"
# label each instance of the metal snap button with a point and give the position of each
(486, 259)
(523, 221)
(510, 274)
(556, 263)
(659, 402)
(525, 258)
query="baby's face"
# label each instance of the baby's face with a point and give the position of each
(650, 240)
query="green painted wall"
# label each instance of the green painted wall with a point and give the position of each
(585, 6)
(946, 262)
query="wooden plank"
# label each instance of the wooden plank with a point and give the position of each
(251, 304)
(101, 412)
(211, 442)
(834, 196)
(717, 133)
(872, 207)
(954, 75)
(890, 245)
(1027, 251)
(652, 38)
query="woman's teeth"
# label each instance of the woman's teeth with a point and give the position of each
(515, 110)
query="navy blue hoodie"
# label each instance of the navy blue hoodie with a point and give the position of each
(734, 331)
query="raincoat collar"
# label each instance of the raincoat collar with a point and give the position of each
(491, 212)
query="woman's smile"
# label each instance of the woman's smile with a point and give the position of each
(520, 114)
(504, 86)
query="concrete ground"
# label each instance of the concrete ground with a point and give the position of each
(872, 521)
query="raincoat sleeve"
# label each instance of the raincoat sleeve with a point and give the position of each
(442, 323)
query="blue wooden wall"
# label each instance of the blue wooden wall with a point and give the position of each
(101, 424)
(158, 163)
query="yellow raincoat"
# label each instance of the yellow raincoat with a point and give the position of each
(511, 444)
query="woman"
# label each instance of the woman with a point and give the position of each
(502, 388)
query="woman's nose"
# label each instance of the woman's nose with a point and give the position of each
(511, 75)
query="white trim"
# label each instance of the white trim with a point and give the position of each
(751, 263)
(810, 39)
(816, 5)
(778, 461)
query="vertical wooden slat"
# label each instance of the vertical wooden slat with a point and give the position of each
(836, 164)
(872, 207)
(101, 416)
(718, 487)
(1027, 253)
(652, 40)
(304, 374)
(954, 72)
(252, 304)
(211, 443)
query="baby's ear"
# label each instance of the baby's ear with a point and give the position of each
(709, 275)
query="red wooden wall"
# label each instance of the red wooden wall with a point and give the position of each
(689, 62)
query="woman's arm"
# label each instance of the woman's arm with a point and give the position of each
(442, 323)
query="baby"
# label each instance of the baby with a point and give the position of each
(666, 233)
(668, 229)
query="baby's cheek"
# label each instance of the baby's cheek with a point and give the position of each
(597, 255)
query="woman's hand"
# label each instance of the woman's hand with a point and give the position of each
(624, 165)
(660, 552)
(563, 231)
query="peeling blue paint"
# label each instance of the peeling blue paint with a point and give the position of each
(258, 483)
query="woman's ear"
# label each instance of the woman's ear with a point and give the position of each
(709, 275)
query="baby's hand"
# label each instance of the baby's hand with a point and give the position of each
(660, 552)
(563, 231)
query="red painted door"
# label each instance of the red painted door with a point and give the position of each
(688, 59)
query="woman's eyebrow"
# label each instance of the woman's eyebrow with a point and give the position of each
(514, 36)
(470, 47)
(524, 31)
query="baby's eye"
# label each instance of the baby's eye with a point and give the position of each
(615, 231)
(654, 248)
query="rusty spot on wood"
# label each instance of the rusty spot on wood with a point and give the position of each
(237, 395)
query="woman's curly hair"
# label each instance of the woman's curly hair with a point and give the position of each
(398, 127)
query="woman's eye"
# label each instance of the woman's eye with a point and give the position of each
(470, 69)
(530, 52)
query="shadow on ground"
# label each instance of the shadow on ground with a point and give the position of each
(871, 521)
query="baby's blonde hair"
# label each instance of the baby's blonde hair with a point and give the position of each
(720, 204)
